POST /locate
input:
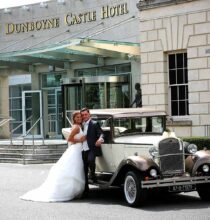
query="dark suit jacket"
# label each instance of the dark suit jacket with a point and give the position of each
(93, 133)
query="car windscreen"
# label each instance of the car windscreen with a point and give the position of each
(135, 125)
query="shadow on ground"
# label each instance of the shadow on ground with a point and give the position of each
(161, 202)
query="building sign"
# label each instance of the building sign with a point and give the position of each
(32, 26)
(70, 19)
(107, 11)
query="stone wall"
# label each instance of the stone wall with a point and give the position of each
(183, 27)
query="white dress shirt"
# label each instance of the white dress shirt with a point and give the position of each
(85, 128)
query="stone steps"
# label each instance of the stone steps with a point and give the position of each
(27, 161)
(30, 154)
(31, 151)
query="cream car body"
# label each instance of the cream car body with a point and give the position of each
(139, 155)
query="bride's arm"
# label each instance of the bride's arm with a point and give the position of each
(75, 130)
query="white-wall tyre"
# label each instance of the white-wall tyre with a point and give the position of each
(134, 194)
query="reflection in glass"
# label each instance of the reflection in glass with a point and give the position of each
(137, 125)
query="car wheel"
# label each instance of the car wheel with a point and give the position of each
(133, 192)
(204, 191)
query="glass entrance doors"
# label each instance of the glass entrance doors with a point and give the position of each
(106, 92)
(58, 112)
(72, 93)
(95, 93)
(32, 114)
(52, 103)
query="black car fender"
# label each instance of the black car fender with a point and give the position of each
(201, 157)
(142, 164)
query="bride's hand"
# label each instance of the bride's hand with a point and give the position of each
(83, 138)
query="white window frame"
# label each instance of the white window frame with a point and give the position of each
(180, 117)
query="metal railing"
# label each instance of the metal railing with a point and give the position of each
(25, 135)
(17, 127)
(67, 118)
(28, 131)
(4, 120)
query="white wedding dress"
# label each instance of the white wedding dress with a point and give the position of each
(66, 179)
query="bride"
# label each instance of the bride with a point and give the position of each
(66, 179)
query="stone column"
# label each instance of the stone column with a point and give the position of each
(4, 103)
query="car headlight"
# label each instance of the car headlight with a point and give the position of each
(205, 168)
(153, 173)
(192, 148)
(153, 151)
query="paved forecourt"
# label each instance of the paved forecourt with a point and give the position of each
(16, 179)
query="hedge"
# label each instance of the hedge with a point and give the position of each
(201, 142)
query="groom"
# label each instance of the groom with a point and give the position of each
(94, 138)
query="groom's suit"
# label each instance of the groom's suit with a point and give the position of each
(94, 132)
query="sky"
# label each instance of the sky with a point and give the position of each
(14, 3)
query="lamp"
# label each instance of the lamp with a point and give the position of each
(61, 2)
(25, 8)
(43, 5)
(7, 11)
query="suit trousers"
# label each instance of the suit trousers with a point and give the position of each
(89, 163)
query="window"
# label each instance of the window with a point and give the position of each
(106, 70)
(138, 125)
(52, 79)
(15, 106)
(178, 84)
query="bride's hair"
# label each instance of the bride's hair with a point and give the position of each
(74, 114)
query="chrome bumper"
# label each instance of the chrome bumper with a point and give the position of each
(175, 181)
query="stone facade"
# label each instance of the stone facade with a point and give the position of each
(172, 28)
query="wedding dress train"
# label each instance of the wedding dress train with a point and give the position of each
(65, 180)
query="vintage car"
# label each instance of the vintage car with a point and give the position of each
(140, 156)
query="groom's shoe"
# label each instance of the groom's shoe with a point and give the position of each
(85, 194)
(93, 179)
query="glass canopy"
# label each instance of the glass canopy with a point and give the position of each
(74, 50)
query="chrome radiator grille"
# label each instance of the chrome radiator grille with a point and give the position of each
(171, 157)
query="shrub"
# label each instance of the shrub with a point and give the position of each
(201, 142)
